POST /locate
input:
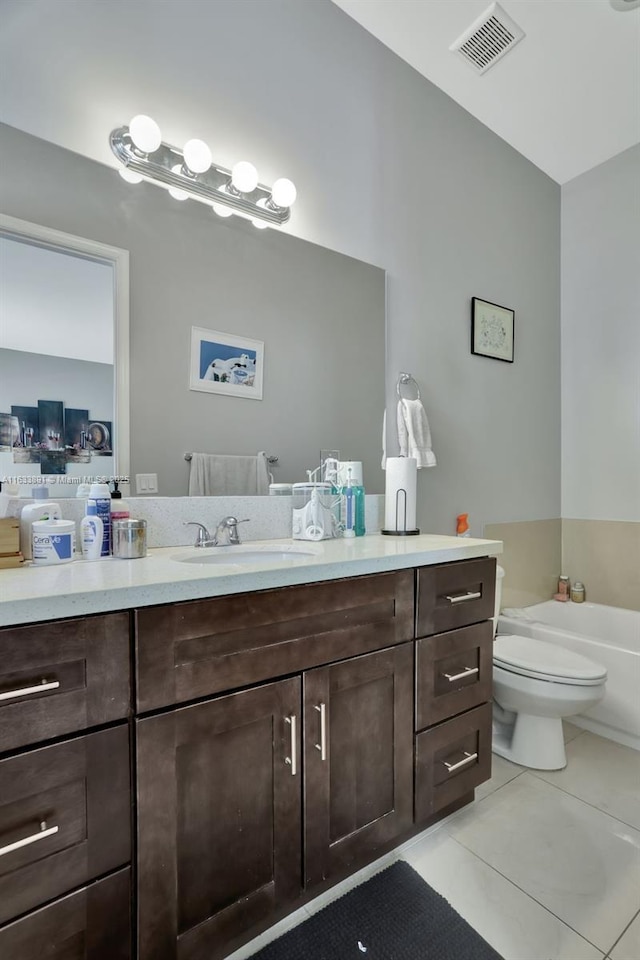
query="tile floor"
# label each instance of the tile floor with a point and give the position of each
(546, 866)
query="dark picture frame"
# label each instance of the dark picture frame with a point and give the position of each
(492, 330)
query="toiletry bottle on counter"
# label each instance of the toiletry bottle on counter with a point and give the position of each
(42, 509)
(100, 495)
(462, 525)
(91, 533)
(578, 592)
(564, 590)
(119, 507)
(53, 541)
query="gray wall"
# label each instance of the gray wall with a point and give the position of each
(601, 341)
(389, 170)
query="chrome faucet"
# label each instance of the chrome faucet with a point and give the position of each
(226, 534)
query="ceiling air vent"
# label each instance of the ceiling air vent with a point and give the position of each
(487, 39)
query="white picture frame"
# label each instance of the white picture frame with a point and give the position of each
(225, 363)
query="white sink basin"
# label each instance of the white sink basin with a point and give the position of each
(244, 555)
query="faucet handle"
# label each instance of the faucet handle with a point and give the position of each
(230, 524)
(203, 536)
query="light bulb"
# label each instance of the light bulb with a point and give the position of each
(130, 175)
(176, 192)
(197, 156)
(145, 133)
(244, 176)
(283, 192)
(260, 224)
(221, 210)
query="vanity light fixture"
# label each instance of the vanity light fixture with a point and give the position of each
(190, 173)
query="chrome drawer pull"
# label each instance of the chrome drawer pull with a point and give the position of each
(27, 691)
(322, 746)
(468, 757)
(467, 672)
(292, 760)
(43, 832)
(462, 597)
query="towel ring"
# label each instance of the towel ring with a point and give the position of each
(403, 380)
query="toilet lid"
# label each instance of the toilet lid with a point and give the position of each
(546, 661)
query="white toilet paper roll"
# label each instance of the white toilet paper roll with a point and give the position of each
(400, 494)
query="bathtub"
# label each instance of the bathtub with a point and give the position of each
(608, 635)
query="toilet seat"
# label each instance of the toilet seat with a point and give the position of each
(545, 661)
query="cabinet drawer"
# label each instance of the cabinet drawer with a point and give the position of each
(64, 818)
(452, 759)
(190, 650)
(453, 672)
(58, 678)
(91, 924)
(455, 595)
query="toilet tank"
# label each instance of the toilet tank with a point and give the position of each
(498, 600)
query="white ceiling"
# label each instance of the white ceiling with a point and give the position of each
(567, 96)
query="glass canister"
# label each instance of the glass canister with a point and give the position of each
(578, 592)
(129, 539)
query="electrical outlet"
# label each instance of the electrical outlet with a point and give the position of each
(146, 482)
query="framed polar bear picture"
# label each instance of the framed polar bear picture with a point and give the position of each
(225, 363)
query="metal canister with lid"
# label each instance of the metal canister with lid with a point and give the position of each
(578, 592)
(129, 539)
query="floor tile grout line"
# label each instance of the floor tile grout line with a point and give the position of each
(535, 900)
(615, 944)
(593, 806)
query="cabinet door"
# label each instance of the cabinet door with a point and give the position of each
(358, 744)
(219, 820)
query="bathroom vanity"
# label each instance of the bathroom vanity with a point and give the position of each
(214, 747)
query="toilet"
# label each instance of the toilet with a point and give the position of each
(535, 685)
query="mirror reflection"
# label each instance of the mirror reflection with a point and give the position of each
(242, 341)
(56, 365)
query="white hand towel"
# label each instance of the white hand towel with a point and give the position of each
(414, 435)
(383, 462)
(219, 475)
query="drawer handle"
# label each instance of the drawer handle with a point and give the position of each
(468, 757)
(42, 833)
(463, 597)
(28, 691)
(322, 746)
(467, 672)
(292, 760)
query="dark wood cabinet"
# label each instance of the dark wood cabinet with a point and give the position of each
(451, 759)
(219, 819)
(284, 738)
(59, 678)
(358, 752)
(454, 672)
(190, 650)
(64, 818)
(93, 923)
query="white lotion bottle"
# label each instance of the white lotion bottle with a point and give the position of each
(91, 534)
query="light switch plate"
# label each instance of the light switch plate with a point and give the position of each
(146, 482)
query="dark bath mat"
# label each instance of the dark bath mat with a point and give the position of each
(393, 916)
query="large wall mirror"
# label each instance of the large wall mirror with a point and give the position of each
(64, 358)
(316, 317)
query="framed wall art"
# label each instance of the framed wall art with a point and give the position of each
(225, 363)
(492, 330)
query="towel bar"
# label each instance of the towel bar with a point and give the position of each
(188, 457)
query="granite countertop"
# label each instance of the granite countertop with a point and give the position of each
(34, 593)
